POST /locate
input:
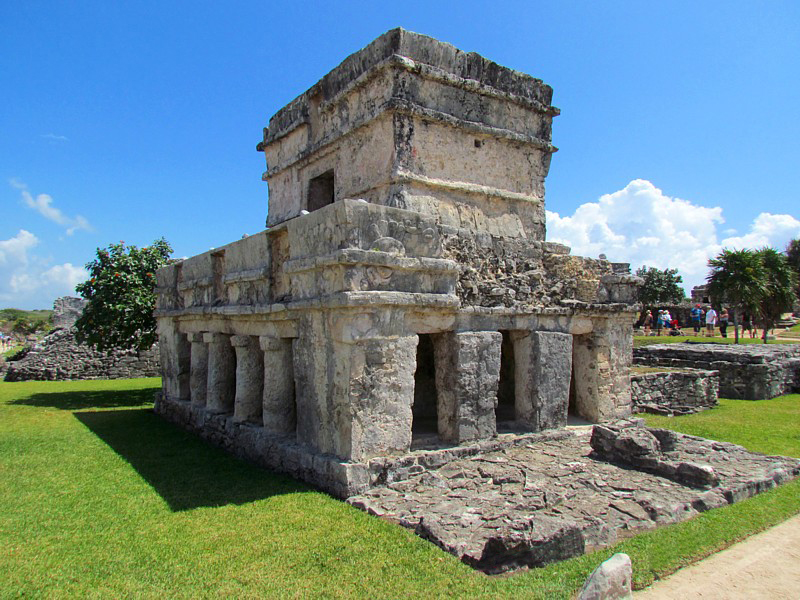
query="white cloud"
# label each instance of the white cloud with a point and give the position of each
(641, 225)
(43, 204)
(27, 281)
(14, 251)
(54, 137)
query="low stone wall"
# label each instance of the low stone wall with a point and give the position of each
(59, 356)
(747, 372)
(675, 392)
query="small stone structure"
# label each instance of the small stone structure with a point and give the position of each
(59, 356)
(675, 392)
(404, 295)
(748, 372)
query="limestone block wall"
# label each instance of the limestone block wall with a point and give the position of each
(748, 372)
(59, 356)
(414, 123)
(675, 393)
(342, 336)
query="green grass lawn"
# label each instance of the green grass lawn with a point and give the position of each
(102, 498)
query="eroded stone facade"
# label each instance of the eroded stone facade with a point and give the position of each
(403, 295)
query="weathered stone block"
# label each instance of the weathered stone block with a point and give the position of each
(467, 376)
(544, 365)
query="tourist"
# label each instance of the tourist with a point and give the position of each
(667, 321)
(747, 324)
(723, 322)
(697, 318)
(659, 322)
(711, 321)
(648, 322)
(676, 327)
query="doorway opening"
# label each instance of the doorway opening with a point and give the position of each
(424, 413)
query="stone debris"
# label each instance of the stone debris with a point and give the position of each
(611, 580)
(532, 504)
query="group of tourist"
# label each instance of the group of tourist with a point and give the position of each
(664, 322)
(704, 321)
(5, 341)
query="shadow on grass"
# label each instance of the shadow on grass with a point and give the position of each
(185, 471)
(82, 400)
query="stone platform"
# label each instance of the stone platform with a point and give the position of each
(746, 371)
(553, 496)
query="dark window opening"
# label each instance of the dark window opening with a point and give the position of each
(320, 191)
(424, 412)
(506, 392)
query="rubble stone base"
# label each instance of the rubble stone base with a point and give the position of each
(535, 502)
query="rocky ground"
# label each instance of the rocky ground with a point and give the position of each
(539, 502)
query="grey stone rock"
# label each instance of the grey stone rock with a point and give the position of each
(611, 580)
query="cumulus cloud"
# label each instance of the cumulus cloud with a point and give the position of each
(28, 281)
(641, 225)
(43, 204)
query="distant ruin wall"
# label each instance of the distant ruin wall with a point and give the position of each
(66, 311)
(747, 372)
(59, 356)
(674, 393)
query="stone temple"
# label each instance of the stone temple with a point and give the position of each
(403, 297)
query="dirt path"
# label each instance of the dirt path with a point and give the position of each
(766, 565)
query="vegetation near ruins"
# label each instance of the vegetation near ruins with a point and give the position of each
(103, 498)
(121, 296)
(761, 282)
(659, 286)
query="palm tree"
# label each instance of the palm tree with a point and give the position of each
(738, 278)
(781, 283)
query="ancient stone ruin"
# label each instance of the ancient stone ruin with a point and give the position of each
(403, 294)
(747, 372)
(403, 336)
(675, 392)
(59, 356)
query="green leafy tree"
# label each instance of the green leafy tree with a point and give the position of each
(737, 278)
(781, 287)
(762, 282)
(793, 256)
(659, 286)
(121, 296)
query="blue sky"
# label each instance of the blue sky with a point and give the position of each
(131, 121)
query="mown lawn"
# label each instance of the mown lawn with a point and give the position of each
(102, 498)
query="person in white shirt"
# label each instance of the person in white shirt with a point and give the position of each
(711, 320)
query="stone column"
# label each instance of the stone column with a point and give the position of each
(601, 367)
(542, 378)
(374, 416)
(249, 379)
(278, 400)
(174, 355)
(198, 378)
(221, 389)
(467, 378)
